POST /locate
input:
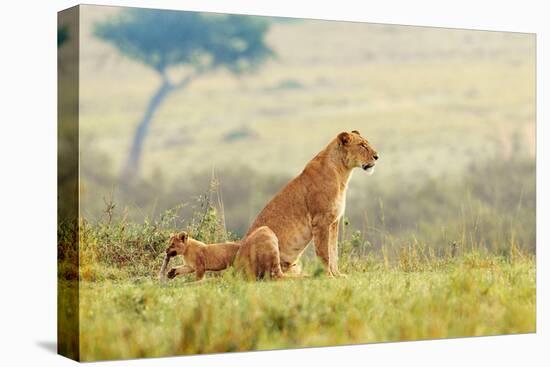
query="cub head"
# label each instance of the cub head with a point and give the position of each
(357, 151)
(176, 244)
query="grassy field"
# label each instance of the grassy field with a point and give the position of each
(470, 296)
(403, 291)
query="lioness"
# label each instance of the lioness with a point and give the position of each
(199, 257)
(311, 205)
(258, 255)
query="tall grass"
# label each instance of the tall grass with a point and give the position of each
(489, 205)
(470, 296)
(489, 211)
(115, 247)
(407, 292)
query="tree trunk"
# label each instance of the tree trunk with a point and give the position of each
(131, 168)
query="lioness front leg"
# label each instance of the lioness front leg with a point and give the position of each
(321, 239)
(180, 270)
(333, 249)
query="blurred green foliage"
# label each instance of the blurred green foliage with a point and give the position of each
(62, 35)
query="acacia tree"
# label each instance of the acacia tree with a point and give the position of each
(164, 39)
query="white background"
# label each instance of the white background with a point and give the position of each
(28, 182)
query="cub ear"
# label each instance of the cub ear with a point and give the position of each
(344, 138)
(356, 132)
(183, 236)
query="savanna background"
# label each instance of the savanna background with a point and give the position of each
(439, 242)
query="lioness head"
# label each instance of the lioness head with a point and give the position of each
(357, 151)
(177, 244)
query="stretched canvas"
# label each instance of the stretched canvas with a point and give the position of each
(232, 183)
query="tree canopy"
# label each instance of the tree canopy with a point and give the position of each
(164, 38)
(62, 35)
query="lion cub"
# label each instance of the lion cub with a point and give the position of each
(199, 257)
(259, 255)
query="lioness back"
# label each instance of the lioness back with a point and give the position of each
(287, 216)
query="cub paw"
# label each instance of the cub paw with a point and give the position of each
(172, 273)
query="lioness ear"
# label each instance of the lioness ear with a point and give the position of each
(356, 132)
(182, 236)
(344, 138)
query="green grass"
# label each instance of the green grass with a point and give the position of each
(397, 289)
(470, 296)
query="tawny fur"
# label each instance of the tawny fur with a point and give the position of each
(199, 257)
(311, 205)
(258, 255)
